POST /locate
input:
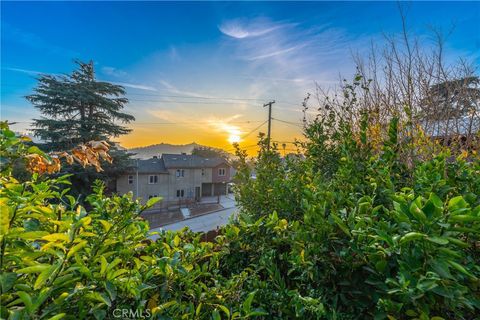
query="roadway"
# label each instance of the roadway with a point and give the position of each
(206, 222)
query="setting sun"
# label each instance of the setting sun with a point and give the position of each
(233, 138)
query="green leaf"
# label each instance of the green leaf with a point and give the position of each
(441, 268)
(106, 225)
(411, 236)
(95, 296)
(111, 289)
(460, 268)
(198, 309)
(176, 240)
(458, 242)
(417, 212)
(56, 237)
(33, 235)
(340, 224)
(411, 313)
(44, 276)
(257, 313)
(247, 304)
(456, 203)
(152, 201)
(76, 247)
(4, 219)
(26, 299)
(34, 269)
(7, 280)
(216, 315)
(58, 316)
(463, 218)
(103, 265)
(225, 310)
(438, 240)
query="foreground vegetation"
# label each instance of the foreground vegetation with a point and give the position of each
(373, 222)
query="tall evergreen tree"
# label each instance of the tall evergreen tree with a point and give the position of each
(75, 109)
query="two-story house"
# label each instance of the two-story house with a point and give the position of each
(177, 178)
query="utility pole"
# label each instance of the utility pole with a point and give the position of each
(269, 121)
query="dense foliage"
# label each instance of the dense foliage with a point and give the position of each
(371, 222)
(75, 109)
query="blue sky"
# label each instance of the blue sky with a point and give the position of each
(180, 61)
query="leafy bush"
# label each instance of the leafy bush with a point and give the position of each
(374, 225)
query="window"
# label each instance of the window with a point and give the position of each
(152, 179)
(180, 193)
(130, 179)
(180, 173)
(221, 172)
(203, 172)
(152, 196)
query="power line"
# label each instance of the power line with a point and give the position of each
(243, 148)
(246, 135)
(196, 97)
(289, 122)
(292, 142)
(191, 122)
(182, 96)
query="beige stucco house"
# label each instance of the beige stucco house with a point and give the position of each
(180, 179)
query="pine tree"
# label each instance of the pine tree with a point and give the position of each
(76, 109)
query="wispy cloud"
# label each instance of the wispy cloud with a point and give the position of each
(166, 115)
(173, 89)
(135, 86)
(241, 29)
(124, 84)
(27, 71)
(114, 72)
(275, 53)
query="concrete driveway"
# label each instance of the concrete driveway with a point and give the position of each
(208, 221)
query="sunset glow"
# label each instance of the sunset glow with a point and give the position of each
(234, 138)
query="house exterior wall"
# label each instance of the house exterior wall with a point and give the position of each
(145, 189)
(192, 183)
(216, 177)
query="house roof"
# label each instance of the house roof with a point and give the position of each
(153, 165)
(190, 161)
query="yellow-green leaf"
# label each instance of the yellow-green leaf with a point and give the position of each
(58, 316)
(106, 225)
(76, 247)
(176, 240)
(44, 275)
(34, 269)
(4, 219)
(56, 237)
(31, 235)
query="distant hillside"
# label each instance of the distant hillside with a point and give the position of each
(158, 149)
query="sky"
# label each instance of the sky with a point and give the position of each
(201, 71)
